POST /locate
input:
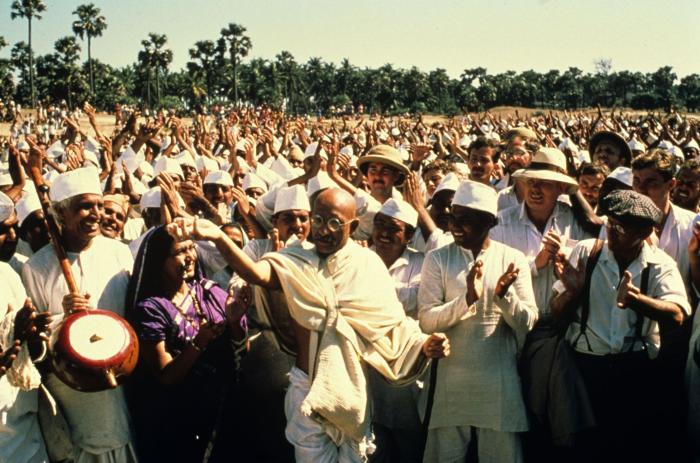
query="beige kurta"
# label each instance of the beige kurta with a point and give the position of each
(478, 384)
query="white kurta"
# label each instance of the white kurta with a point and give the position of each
(20, 436)
(516, 230)
(478, 384)
(99, 421)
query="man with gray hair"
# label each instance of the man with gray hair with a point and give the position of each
(98, 421)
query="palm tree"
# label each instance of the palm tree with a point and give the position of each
(91, 23)
(155, 56)
(237, 45)
(29, 9)
(204, 63)
(68, 52)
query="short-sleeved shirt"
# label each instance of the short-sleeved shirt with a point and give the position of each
(611, 330)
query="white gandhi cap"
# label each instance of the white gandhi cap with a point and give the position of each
(76, 182)
(475, 195)
(400, 210)
(7, 206)
(25, 206)
(218, 177)
(291, 198)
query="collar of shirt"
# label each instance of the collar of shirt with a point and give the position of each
(647, 255)
(551, 221)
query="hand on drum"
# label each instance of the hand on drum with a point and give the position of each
(193, 229)
(75, 302)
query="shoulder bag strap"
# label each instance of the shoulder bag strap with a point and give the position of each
(591, 262)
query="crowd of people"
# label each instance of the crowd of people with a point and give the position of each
(492, 288)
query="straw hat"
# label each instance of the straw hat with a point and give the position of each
(548, 164)
(384, 154)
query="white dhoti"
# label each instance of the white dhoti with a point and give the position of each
(309, 437)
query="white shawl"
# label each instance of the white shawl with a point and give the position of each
(349, 301)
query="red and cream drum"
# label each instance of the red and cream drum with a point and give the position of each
(93, 350)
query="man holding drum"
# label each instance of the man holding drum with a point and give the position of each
(99, 421)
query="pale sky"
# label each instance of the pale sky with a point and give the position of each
(500, 35)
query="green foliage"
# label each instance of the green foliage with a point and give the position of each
(218, 72)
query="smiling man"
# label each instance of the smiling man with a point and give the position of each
(479, 292)
(686, 193)
(338, 310)
(116, 210)
(98, 421)
(384, 170)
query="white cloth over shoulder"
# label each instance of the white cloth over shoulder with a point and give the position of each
(347, 299)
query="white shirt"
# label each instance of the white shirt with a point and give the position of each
(478, 384)
(516, 230)
(98, 421)
(675, 237)
(20, 437)
(405, 271)
(611, 330)
(507, 198)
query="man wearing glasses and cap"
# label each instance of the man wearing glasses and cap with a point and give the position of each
(618, 293)
(479, 292)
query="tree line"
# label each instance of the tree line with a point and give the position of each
(217, 73)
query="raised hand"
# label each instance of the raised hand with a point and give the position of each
(183, 229)
(274, 236)
(475, 283)
(237, 303)
(572, 277)
(627, 292)
(551, 245)
(507, 279)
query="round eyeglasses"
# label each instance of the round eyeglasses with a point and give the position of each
(333, 223)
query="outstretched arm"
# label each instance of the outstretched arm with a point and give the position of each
(257, 273)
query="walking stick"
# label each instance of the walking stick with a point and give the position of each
(431, 399)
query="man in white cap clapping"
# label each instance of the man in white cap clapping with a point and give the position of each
(479, 292)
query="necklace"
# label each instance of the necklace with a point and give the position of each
(199, 319)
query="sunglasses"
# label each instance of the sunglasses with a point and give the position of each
(333, 224)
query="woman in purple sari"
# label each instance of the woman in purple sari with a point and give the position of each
(191, 334)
